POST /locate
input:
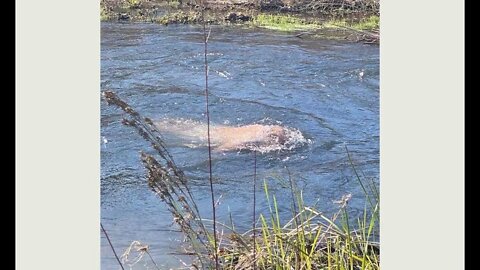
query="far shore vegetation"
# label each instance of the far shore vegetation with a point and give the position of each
(293, 23)
(349, 19)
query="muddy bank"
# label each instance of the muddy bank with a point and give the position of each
(344, 19)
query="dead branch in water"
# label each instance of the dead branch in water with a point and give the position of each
(370, 37)
(367, 36)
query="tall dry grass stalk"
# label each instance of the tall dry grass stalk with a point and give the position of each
(111, 246)
(207, 113)
(254, 229)
(168, 181)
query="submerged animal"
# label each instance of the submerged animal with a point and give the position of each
(226, 138)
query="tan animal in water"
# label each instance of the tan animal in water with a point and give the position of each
(226, 138)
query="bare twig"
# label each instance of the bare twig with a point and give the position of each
(111, 246)
(210, 178)
(254, 209)
(151, 258)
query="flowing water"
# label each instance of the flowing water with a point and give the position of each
(325, 92)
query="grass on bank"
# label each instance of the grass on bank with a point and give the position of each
(104, 16)
(292, 23)
(309, 240)
(283, 22)
(369, 23)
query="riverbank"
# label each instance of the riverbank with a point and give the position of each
(355, 20)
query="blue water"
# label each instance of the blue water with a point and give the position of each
(328, 90)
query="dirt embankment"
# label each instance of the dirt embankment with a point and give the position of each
(244, 11)
(219, 11)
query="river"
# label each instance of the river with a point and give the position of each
(327, 91)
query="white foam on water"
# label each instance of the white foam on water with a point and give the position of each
(294, 139)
